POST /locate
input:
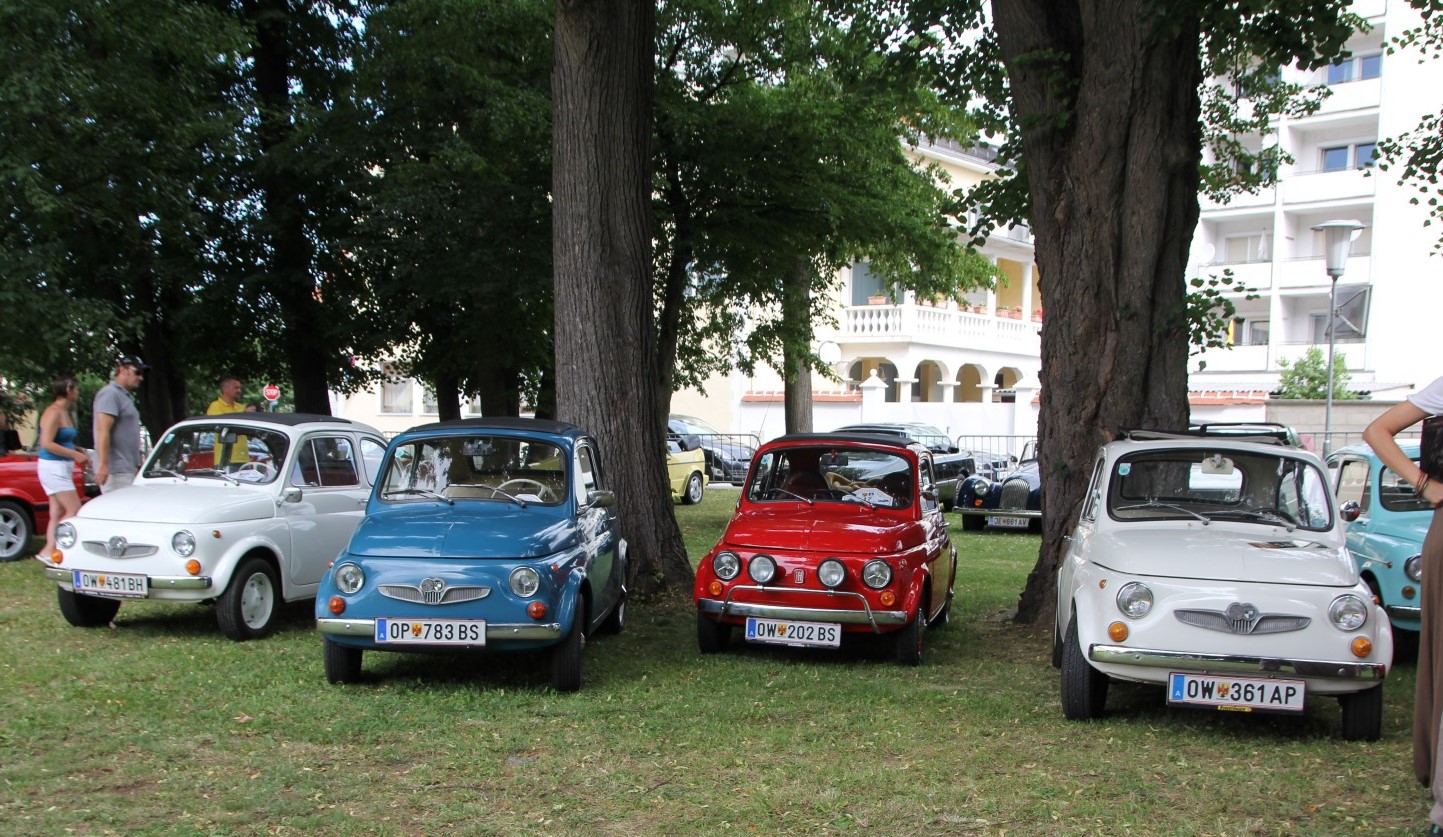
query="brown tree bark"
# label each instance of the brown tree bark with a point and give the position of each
(796, 373)
(606, 374)
(1108, 99)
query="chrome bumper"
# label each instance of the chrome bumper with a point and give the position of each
(865, 616)
(975, 512)
(495, 631)
(1214, 663)
(155, 582)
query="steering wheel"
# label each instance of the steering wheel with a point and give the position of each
(523, 485)
(261, 469)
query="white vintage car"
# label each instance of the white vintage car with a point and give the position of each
(245, 510)
(1216, 567)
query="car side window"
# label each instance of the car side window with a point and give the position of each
(1353, 478)
(372, 454)
(1094, 491)
(929, 499)
(326, 462)
(588, 478)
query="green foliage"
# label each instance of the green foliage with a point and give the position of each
(1307, 377)
(1416, 156)
(1210, 310)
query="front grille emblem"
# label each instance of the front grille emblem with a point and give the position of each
(1243, 617)
(799, 576)
(432, 590)
(115, 547)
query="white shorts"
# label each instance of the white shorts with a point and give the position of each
(56, 475)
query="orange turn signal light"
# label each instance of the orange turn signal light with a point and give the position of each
(192, 566)
(1117, 631)
(888, 598)
(715, 588)
(215, 533)
(536, 610)
(1409, 592)
(1362, 646)
(336, 605)
(56, 556)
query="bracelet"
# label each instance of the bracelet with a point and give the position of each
(1422, 484)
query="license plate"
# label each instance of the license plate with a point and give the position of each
(431, 631)
(116, 585)
(801, 634)
(1244, 694)
(1005, 522)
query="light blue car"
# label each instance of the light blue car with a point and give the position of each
(1387, 522)
(481, 535)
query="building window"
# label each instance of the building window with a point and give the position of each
(1345, 329)
(395, 394)
(1358, 155)
(428, 401)
(1249, 247)
(1256, 333)
(1356, 68)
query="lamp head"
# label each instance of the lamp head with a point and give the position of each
(1338, 243)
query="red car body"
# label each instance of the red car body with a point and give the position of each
(803, 562)
(24, 508)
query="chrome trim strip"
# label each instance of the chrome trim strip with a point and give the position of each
(134, 550)
(155, 582)
(450, 595)
(1404, 611)
(494, 630)
(1212, 663)
(866, 616)
(999, 512)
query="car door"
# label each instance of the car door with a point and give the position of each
(1354, 484)
(939, 546)
(330, 471)
(597, 526)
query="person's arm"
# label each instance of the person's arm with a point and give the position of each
(1380, 437)
(103, 424)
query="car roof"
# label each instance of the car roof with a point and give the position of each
(1264, 446)
(290, 420)
(1410, 448)
(838, 438)
(502, 423)
(1267, 434)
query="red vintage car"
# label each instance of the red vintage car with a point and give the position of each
(24, 508)
(835, 534)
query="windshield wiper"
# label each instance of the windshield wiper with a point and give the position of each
(424, 492)
(169, 473)
(852, 495)
(508, 495)
(1154, 504)
(1267, 515)
(780, 490)
(205, 472)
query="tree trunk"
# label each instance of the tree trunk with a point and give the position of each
(1112, 164)
(448, 397)
(602, 94)
(796, 371)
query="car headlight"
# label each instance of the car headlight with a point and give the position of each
(65, 535)
(976, 486)
(762, 568)
(183, 543)
(1413, 567)
(877, 574)
(1348, 612)
(831, 573)
(1134, 600)
(525, 581)
(726, 565)
(349, 578)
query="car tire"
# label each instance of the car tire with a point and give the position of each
(86, 611)
(694, 492)
(615, 621)
(251, 602)
(973, 523)
(566, 658)
(909, 641)
(712, 636)
(1362, 714)
(1084, 688)
(15, 531)
(343, 662)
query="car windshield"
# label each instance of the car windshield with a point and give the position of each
(219, 451)
(500, 468)
(836, 474)
(1397, 494)
(1201, 484)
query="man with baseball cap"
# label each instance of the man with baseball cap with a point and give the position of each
(117, 426)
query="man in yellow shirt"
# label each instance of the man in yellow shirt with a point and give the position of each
(229, 402)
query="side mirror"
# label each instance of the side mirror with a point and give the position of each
(292, 494)
(600, 499)
(1350, 511)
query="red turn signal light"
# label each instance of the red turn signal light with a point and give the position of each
(536, 610)
(336, 605)
(1362, 647)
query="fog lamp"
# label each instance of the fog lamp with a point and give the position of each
(1117, 631)
(762, 569)
(888, 598)
(336, 605)
(192, 566)
(536, 610)
(1362, 646)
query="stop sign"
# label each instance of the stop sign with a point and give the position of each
(272, 392)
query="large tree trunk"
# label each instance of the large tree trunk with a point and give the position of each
(601, 243)
(1112, 165)
(796, 371)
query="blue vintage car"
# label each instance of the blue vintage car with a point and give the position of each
(1007, 501)
(493, 534)
(1387, 522)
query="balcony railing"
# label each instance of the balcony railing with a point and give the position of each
(944, 326)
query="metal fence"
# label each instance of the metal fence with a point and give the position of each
(1014, 446)
(1314, 440)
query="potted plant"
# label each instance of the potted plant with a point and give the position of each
(877, 299)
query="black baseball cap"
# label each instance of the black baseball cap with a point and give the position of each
(132, 360)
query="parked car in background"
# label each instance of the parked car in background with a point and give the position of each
(1009, 500)
(243, 511)
(1386, 523)
(950, 465)
(1217, 568)
(835, 535)
(728, 455)
(24, 508)
(686, 469)
(483, 535)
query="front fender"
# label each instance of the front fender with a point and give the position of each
(262, 541)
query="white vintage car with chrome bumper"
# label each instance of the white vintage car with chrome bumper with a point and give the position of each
(245, 510)
(1216, 567)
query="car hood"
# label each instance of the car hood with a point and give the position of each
(466, 530)
(825, 527)
(210, 501)
(1404, 526)
(1265, 555)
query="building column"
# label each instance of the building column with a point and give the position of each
(874, 398)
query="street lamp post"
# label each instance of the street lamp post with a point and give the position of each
(1338, 242)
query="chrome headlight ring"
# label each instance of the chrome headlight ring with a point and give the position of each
(1348, 612)
(349, 578)
(183, 542)
(64, 535)
(1413, 567)
(831, 573)
(525, 581)
(726, 565)
(877, 574)
(762, 568)
(1134, 599)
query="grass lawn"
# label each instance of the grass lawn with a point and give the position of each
(163, 726)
